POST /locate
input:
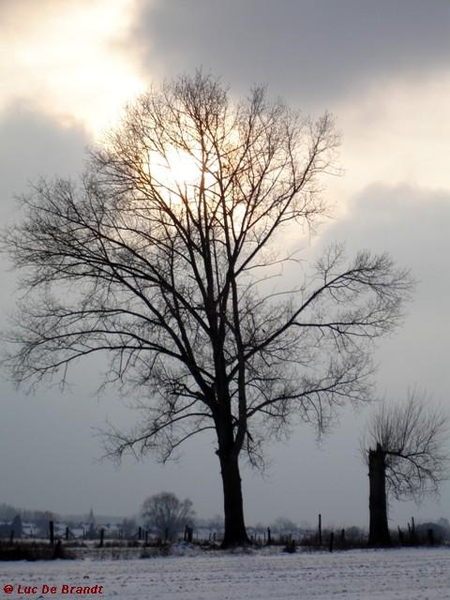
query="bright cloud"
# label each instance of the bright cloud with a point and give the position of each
(68, 58)
(397, 132)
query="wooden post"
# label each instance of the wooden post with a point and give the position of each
(188, 532)
(51, 527)
(67, 534)
(140, 533)
(331, 541)
(320, 531)
(58, 551)
(269, 538)
(102, 537)
(413, 531)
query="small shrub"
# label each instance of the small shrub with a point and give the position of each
(33, 551)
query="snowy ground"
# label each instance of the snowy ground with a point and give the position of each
(408, 574)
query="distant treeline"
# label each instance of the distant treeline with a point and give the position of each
(8, 512)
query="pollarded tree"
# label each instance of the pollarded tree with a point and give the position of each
(167, 515)
(407, 457)
(163, 256)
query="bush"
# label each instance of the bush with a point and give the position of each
(33, 551)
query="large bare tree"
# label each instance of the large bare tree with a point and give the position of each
(165, 256)
(166, 515)
(407, 457)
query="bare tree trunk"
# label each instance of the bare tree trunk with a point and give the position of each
(235, 532)
(379, 530)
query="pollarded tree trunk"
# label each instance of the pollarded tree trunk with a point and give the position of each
(235, 532)
(379, 530)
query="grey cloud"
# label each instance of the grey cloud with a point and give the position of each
(317, 50)
(412, 225)
(409, 222)
(33, 145)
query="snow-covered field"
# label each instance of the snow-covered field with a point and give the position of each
(407, 574)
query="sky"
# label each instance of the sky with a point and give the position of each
(383, 69)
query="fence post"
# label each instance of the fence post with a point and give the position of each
(51, 527)
(331, 541)
(413, 531)
(269, 538)
(58, 551)
(320, 530)
(188, 534)
(102, 537)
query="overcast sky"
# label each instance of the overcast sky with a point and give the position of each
(383, 69)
